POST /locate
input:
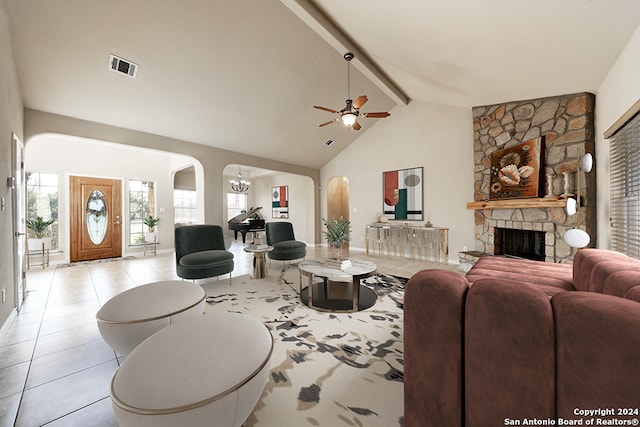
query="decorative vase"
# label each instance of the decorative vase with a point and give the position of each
(150, 237)
(336, 252)
(39, 244)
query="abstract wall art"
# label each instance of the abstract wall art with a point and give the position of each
(280, 201)
(402, 194)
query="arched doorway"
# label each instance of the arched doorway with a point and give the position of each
(338, 200)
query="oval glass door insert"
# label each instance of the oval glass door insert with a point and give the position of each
(96, 217)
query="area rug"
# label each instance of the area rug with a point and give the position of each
(327, 369)
(95, 261)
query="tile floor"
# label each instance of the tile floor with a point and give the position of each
(55, 369)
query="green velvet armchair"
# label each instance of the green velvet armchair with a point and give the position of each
(201, 253)
(280, 235)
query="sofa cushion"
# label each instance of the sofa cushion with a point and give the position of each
(598, 346)
(605, 271)
(203, 264)
(289, 246)
(617, 278)
(523, 270)
(433, 349)
(210, 258)
(633, 294)
(508, 334)
(584, 262)
(288, 250)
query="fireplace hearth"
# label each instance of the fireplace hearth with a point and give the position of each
(527, 244)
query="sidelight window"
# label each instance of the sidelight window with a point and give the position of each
(142, 203)
(42, 200)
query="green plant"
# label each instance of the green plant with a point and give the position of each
(39, 226)
(337, 232)
(151, 222)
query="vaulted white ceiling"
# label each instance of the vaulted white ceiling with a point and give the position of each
(243, 75)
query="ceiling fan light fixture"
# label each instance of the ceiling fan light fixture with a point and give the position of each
(350, 113)
(348, 119)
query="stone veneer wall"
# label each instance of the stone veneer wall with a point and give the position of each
(567, 123)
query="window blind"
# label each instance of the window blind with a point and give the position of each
(625, 188)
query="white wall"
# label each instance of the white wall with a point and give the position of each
(440, 139)
(301, 202)
(179, 162)
(617, 93)
(11, 120)
(213, 160)
(106, 160)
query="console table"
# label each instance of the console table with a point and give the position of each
(406, 240)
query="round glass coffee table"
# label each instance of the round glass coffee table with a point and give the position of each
(339, 290)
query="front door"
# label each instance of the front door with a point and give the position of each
(95, 218)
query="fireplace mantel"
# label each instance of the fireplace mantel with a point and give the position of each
(543, 202)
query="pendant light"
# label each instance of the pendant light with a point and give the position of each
(239, 185)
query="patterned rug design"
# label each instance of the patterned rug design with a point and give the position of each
(327, 369)
(95, 261)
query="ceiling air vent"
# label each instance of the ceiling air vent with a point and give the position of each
(123, 66)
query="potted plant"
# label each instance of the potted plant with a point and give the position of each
(151, 222)
(337, 233)
(38, 227)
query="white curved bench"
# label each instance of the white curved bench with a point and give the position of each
(203, 371)
(130, 317)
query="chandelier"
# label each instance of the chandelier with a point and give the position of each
(239, 185)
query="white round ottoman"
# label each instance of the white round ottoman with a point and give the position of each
(130, 317)
(209, 370)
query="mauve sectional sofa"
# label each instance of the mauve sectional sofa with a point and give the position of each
(517, 342)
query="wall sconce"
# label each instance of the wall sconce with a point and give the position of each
(576, 237)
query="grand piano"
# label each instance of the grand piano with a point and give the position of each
(241, 223)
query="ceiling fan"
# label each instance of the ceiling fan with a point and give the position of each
(350, 113)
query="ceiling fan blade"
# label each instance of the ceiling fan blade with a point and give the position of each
(380, 115)
(360, 101)
(325, 109)
(356, 125)
(329, 122)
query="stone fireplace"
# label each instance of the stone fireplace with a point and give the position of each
(567, 125)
